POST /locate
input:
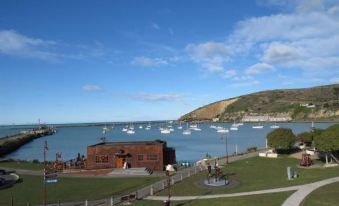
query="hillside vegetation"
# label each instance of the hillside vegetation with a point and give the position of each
(276, 103)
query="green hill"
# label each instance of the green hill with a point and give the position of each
(316, 103)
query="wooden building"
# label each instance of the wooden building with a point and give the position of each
(154, 155)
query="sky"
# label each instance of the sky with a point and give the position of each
(92, 61)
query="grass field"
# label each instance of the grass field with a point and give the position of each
(273, 199)
(22, 165)
(71, 189)
(255, 174)
(325, 196)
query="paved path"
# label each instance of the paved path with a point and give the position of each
(294, 200)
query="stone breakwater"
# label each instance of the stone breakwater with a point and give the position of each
(11, 143)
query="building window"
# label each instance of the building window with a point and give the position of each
(140, 157)
(152, 157)
(101, 158)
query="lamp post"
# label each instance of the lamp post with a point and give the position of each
(226, 149)
(169, 171)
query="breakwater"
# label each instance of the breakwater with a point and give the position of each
(11, 143)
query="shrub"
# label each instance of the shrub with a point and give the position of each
(251, 149)
(281, 138)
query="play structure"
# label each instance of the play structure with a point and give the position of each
(306, 160)
(216, 179)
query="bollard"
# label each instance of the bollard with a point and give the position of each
(112, 201)
(59, 204)
(151, 190)
(86, 202)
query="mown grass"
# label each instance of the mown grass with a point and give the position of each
(255, 174)
(22, 165)
(273, 199)
(70, 189)
(325, 196)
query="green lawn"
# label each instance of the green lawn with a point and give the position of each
(325, 196)
(71, 189)
(22, 165)
(255, 174)
(274, 199)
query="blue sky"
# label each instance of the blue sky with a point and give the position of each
(84, 61)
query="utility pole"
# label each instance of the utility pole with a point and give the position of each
(226, 150)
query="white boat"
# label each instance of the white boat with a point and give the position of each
(259, 126)
(213, 127)
(140, 127)
(187, 132)
(275, 126)
(179, 127)
(234, 128)
(171, 129)
(124, 129)
(165, 131)
(130, 131)
(192, 126)
(222, 130)
(148, 127)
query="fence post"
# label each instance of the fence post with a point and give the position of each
(151, 190)
(189, 173)
(59, 204)
(163, 185)
(86, 203)
(181, 177)
(195, 170)
(112, 201)
(172, 180)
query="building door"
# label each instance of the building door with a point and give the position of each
(119, 162)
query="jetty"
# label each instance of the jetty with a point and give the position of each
(11, 143)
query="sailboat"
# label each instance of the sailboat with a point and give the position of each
(222, 130)
(187, 131)
(275, 126)
(148, 127)
(165, 131)
(180, 127)
(130, 131)
(258, 126)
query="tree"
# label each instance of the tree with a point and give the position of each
(328, 140)
(305, 137)
(281, 138)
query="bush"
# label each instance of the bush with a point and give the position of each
(281, 138)
(328, 140)
(305, 137)
(251, 149)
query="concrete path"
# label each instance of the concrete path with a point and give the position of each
(294, 200)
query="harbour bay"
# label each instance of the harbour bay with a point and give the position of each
(72, 139)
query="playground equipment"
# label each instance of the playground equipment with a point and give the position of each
(306, 160)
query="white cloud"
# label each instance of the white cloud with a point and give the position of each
(149, 62)
(149, 97)
(281, 53)
(209, 55)
(259, 68)
(91, 88)
(229, 73)
(13, 43)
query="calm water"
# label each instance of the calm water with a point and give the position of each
(71, 140)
